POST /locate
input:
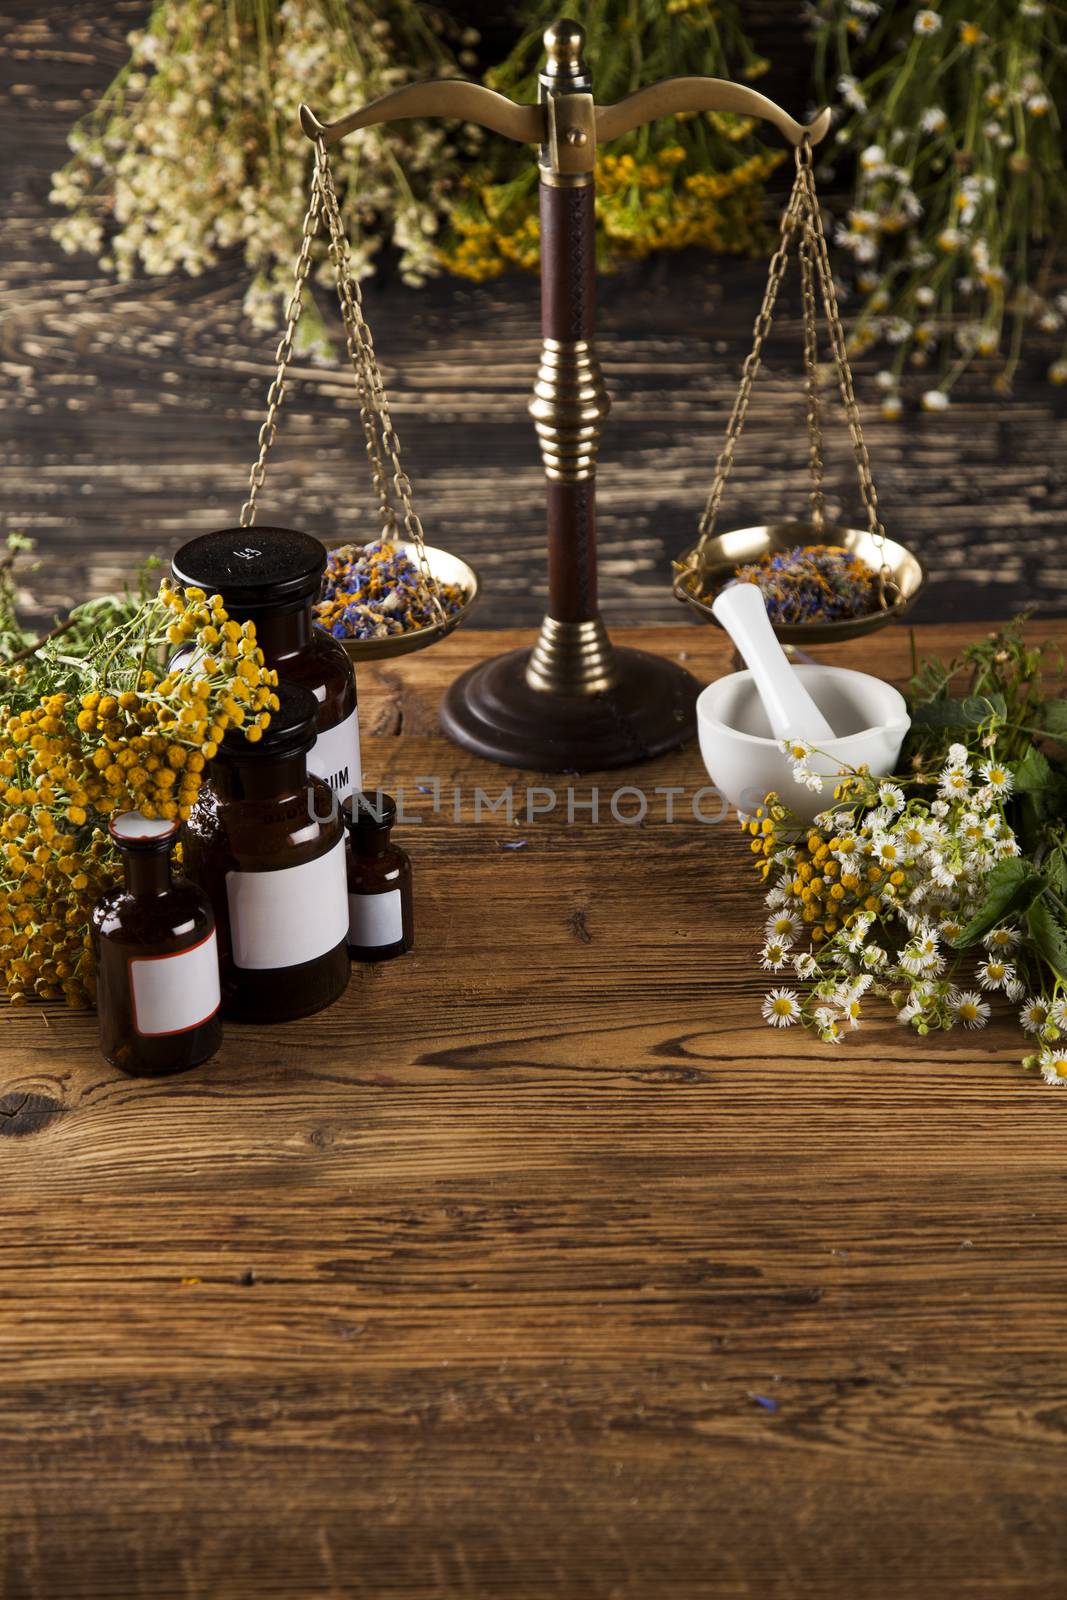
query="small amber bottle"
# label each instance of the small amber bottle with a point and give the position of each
(380, 919)
(272, 577)
(265, 841)
(157, 968)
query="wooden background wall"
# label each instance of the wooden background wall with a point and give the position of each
(130, 412)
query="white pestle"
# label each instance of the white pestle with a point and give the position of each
(791, 711)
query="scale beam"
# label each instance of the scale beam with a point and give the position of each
(529, 124)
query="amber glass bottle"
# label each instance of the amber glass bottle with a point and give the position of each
(265, 841)
(380, 917)
(157, 970)
(272, 576)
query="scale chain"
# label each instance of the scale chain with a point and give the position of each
(803, 212)
(844, 371)
(370, 388)
(282, 357)
(751, 367)
(811, 378)
(374, 404)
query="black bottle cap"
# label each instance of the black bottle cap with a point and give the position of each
(290, 732)
(253, 569)
(132, 831)
(369, 815)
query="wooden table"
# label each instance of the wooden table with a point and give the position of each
(537, 1265)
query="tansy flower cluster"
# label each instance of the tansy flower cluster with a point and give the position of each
(957, 223)
(115, 729)
(906, 891)
(680, 181)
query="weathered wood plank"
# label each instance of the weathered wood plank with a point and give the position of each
(536, 1265)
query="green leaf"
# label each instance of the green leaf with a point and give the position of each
(968, 713)
(1010, 887)
(1034, 773)
(1049, 935)
(1054, 867)
(1054, 719)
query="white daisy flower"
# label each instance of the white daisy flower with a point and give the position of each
(781, 1008)
(995, 973)
(873, 956)
(1057, 1012)
(828, 1024)
(927, 22)
(776, 897)
(958, 755)
(1015, 988)
(939, 808)
(785, 925)
(805, 966)
(969, 1008)
(933, 121)
(955, 783)
(1003, 940)
(1053, 1064)
(1035, 1015)
(891, 797)
(998, 778)
(950, 929)
(774, 955)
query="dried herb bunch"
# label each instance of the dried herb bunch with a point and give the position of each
(958, 221)
(195, 147)
(679, 181)
(93, 720)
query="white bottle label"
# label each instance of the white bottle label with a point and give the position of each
(375, 919)
(335, 757)
(171, 994)
(289, 916)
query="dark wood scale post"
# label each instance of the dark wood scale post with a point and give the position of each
(574, 701)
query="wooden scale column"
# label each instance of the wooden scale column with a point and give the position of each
(574, 700)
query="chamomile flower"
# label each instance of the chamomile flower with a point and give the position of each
(1035, 1016)
(955, 783)
(995, 973)
(774, 956)
(970, 1009)
(1057, 1012)
(958, 755)
(828, 1022)
(997, 777)
(805, 966)
(891, 797)
(1053, 1064)
(784, 925)
(781, 1008)
(1003, 939)
(927, 22)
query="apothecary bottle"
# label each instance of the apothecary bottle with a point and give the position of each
(265, 841)
(273, 576)
(157, 969)
(380, 913)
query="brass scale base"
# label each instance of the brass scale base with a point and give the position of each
(574, 702)
(493, 710)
